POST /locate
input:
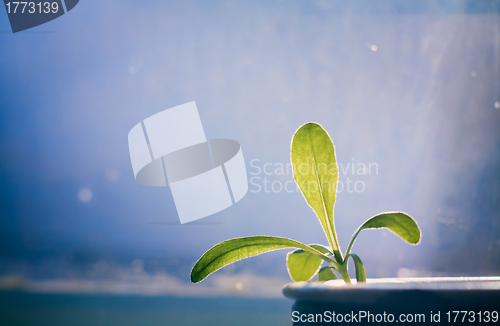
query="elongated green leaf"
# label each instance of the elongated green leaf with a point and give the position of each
(360, 269)
(302, 265)
(323, 249)
(399, 223)
(316, 173)
(326, 274)
(233, 250)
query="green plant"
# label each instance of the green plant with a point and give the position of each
(316, 173)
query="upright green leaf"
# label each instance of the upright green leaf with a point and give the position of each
(360, 269)
(399, 223)
(316, 173)
(233, 250)
(326, 274)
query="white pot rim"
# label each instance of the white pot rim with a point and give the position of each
(337, 290)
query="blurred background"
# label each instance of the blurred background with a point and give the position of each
(408, 91)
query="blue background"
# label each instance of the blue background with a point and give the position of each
(420, 105)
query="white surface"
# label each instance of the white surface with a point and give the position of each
(152, 175)
(138, 149)
(195, 196)
(201, 195)
(237, 175)
(174, 129)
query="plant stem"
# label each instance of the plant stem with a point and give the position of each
(343, 272)
(351, 243)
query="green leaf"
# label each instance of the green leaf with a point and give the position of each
(399, 223)
(233, 250)
(323, 249)
(360, 269)
(302, 265)
(316, 173)
(326, 274)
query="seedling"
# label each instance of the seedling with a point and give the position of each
(316, 173)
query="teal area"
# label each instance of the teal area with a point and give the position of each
(20, 308)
